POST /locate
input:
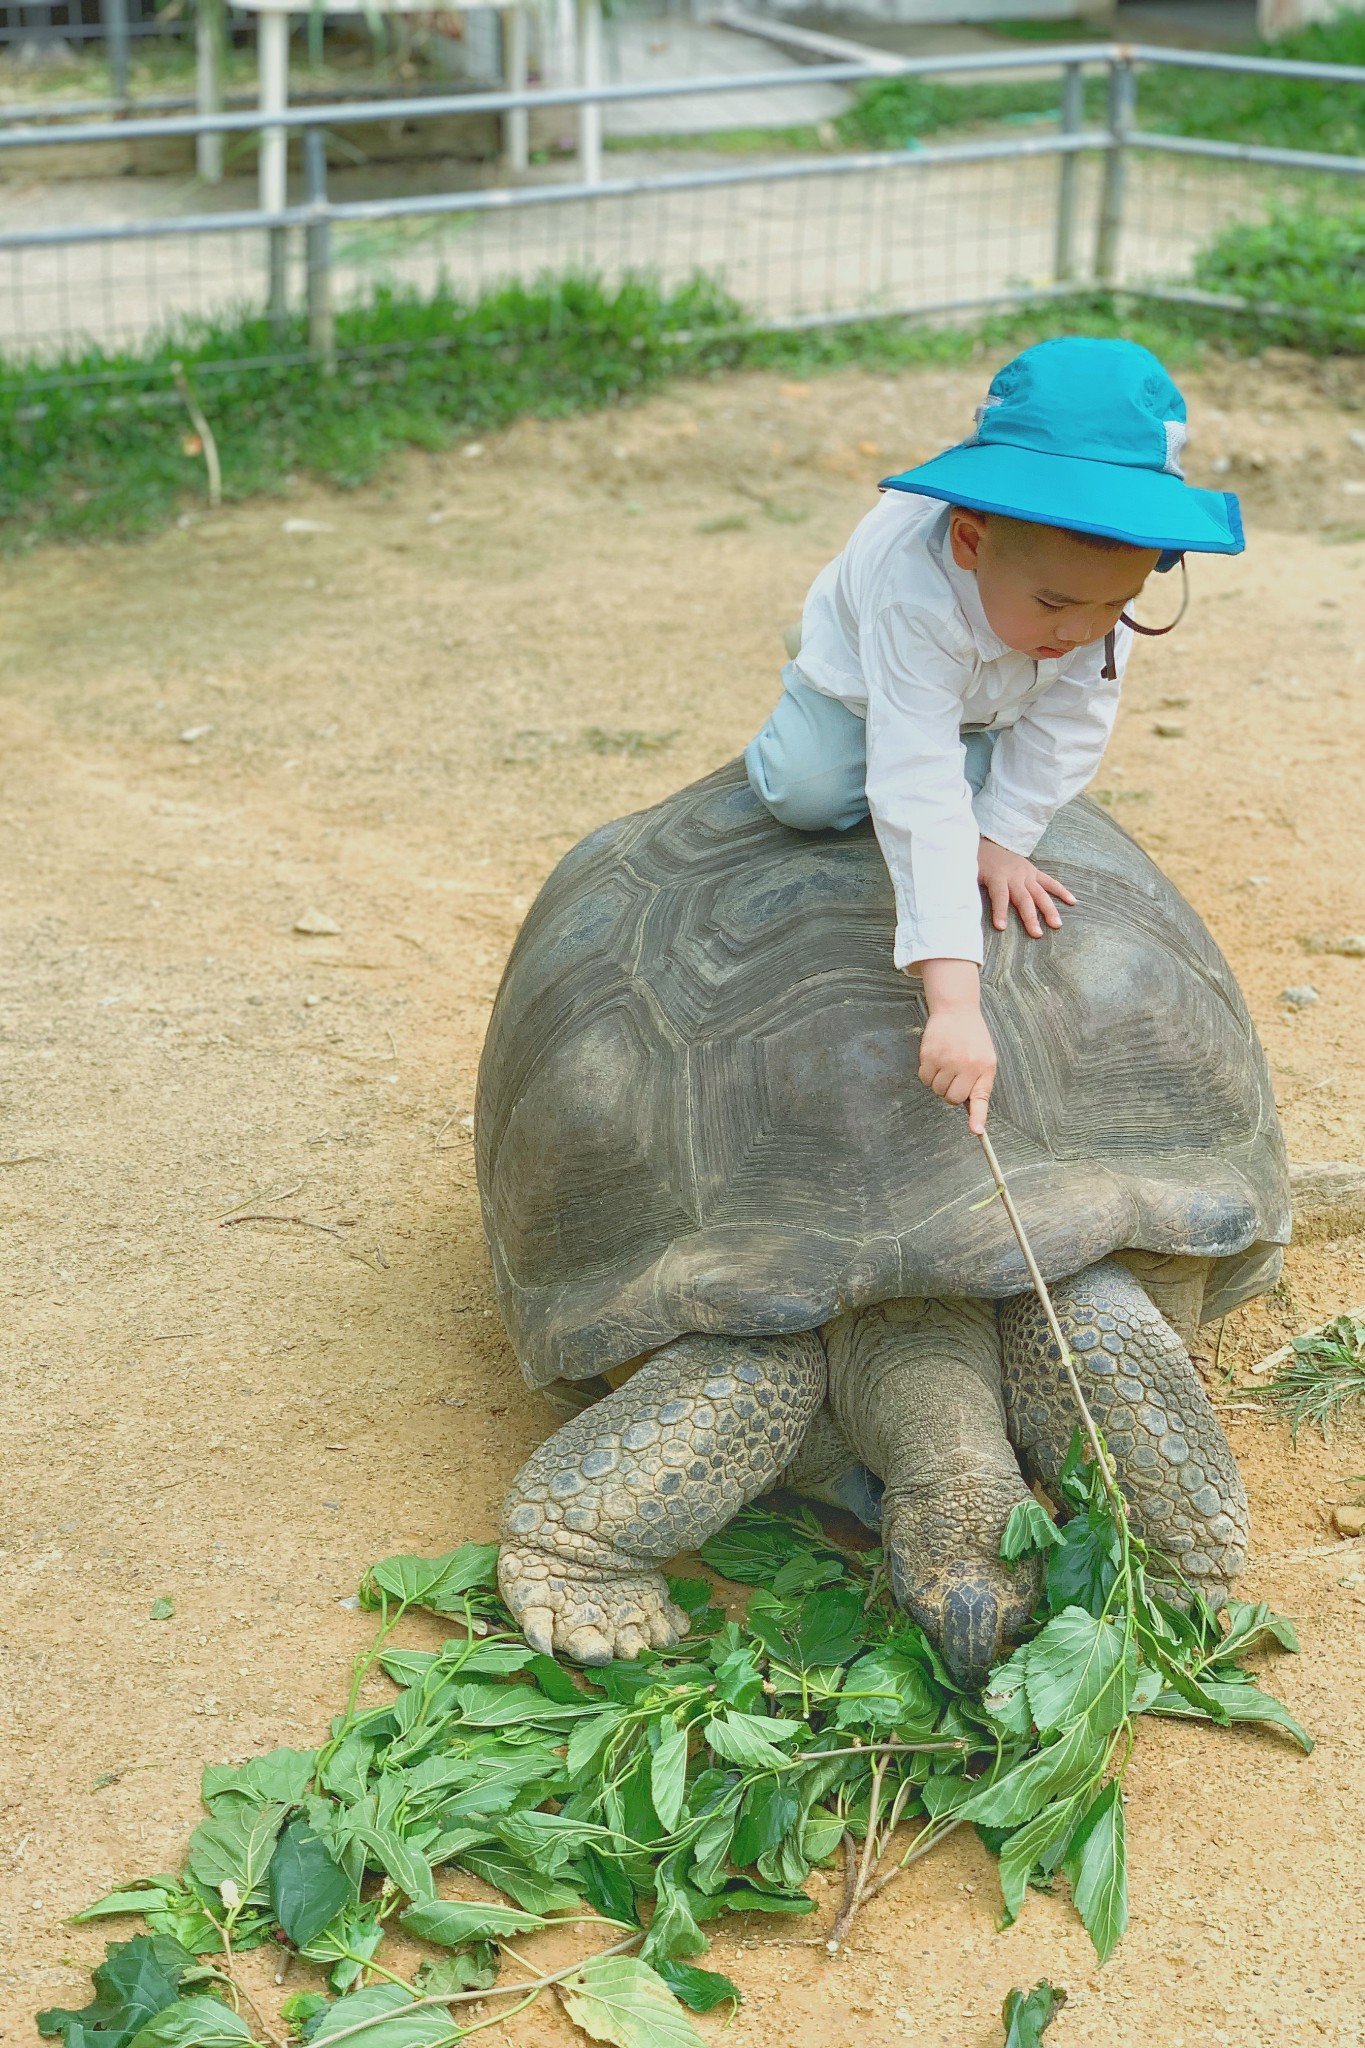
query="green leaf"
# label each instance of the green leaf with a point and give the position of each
(301, 2008)
(668, 1774)
(473, 1969)
(887, 1689)
(356, 1933)
(405, 1864)
(673, 1931)
(1065, 1765)
(283, 1775)
(621, 1999)
(307, 1888)
(200, 2022)
(548, 1841)
(1036, 1847)
(1239, 1699)
(161, 1609)
(1029, 1528)
(508, 1873)
(1097, 1864)
(1082, 1569)
(748, 1898)
(700, 1990)
(749, 1740)
(770, 1808)
(392, 2017)
(832, 1628)
(1247, 1626)
(1079, 1666)
(434, 1582)
(136, 1980)
(606, 1886)
(591, 1737)
(236, 1848)
(449, 1922)
(1028, 2014)
(148, 1897)
(739, 1679)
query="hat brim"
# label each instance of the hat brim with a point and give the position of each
(1144, 507)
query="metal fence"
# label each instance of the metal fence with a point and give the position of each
(796, 238)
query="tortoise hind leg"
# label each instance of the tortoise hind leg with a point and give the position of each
(915, 1386)
(657, 1467)
(1172, 1460)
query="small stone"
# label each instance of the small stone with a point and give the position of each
(1356, 437)
(1300, 998)
(193, 733)
(1352, 487)
(1349, 1519)
(472, 448)
(305, 526)
(315, 924)
(1350, 945)
(1165, 730)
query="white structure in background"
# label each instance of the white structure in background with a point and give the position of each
(1277, 17)
(572, 34)
(938, 13)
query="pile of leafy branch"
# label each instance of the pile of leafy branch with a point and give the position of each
(1322, 1375)
(1300, 258)
(649, 1799)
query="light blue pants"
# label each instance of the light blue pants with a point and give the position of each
(809, 763)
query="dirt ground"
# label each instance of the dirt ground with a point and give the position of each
(408, 703)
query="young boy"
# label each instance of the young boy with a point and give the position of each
(959, 667)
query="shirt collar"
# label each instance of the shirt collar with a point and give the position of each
(962, 583)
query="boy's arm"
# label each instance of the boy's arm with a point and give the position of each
(1051, 752)
(921, 810)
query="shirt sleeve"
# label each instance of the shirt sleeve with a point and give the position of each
(1050, 753)
(917, 789)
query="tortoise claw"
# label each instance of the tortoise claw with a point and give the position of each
(587, 1616)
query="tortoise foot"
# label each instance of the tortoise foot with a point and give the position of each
(943, 1549)
(587, 1616)
(1171, 1458)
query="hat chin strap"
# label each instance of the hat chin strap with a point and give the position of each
(1110, 673)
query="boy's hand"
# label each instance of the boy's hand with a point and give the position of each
(1012, 878)
(956, 1055)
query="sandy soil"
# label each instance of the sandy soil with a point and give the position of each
(404, 716)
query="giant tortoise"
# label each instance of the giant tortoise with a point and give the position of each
(702, 1142)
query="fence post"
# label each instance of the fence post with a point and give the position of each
(589, 75)
(318, 240)
(1122, 91)
(1073, 115)
(272, 43)
(209, 39)
(116, 47)
(516, 122)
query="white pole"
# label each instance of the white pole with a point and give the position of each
(208, 85)
(589, 75)
(516, 125)
(272, 56)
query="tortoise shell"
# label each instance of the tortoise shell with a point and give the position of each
(698, 1105)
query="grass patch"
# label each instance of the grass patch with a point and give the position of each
(1311, 261)
(97, 446)
(1287, 113)
(1321, 1379)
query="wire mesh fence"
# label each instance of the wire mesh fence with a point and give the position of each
(92, 269)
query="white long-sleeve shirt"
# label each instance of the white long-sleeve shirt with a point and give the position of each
(895, 630)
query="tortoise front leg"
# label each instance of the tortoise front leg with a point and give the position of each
(657, 1467)
(1171, 1458)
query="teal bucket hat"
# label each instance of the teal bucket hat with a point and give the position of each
(1084, 434)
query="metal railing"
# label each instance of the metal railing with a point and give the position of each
(796, 239)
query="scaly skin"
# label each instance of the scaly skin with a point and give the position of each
(1173, 1462)
(707, 1425)
(915, 1387)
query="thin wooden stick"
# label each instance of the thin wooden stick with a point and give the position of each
(1040, 1288)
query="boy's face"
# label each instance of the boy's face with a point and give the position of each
(1042, 591)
